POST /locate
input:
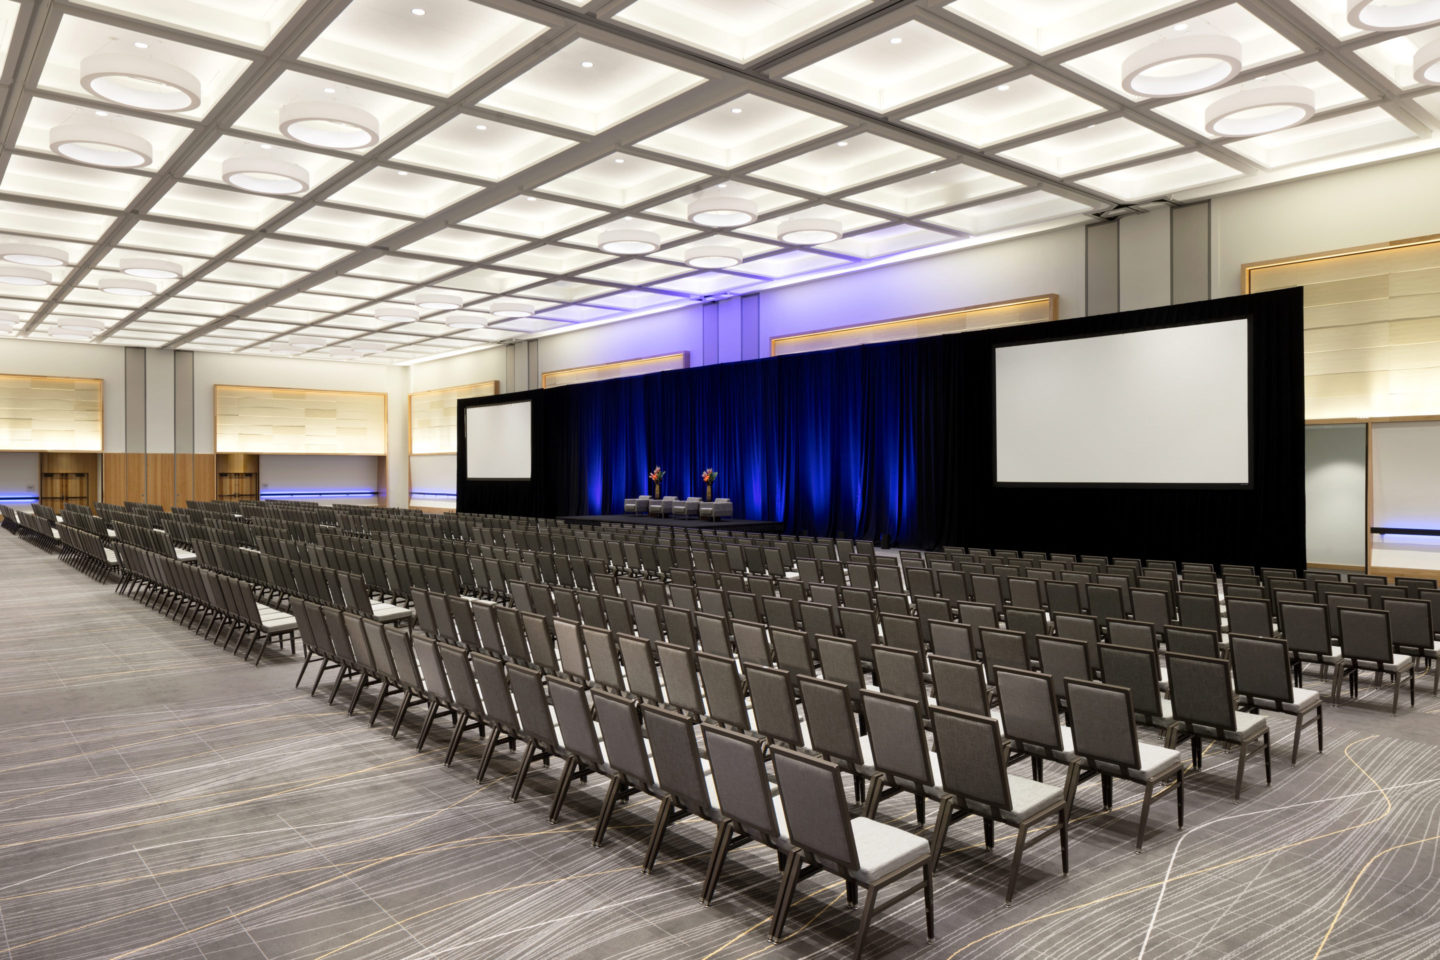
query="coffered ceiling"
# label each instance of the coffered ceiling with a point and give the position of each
(372, 181)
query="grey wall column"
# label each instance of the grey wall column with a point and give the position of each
(184, 401)
(1190, 252)
(532, 363)
(709, 334)
(1102, 268)
(517, 367)
(134, 399)
(750, 328)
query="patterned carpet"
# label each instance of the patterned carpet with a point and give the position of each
(158, 798)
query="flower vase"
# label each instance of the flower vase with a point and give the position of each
(709, 493)
(657, 490)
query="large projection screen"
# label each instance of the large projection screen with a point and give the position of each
(497, 441)
(1168, 406)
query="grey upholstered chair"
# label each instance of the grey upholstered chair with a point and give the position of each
(721, 509)
(689, 507)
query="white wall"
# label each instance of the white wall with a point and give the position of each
(1052, 262)
(468, 368)
(216, 368)
(1335, 494)
(290, 473)
(81, 360)
(1350, 208)
(19, 474)
(657, 335)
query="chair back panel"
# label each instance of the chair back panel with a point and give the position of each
(1103, 723)
(815, 810)
(972, 758)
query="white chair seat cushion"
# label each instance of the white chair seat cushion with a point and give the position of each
(882, 849)
(1156, 761)
(1248, 725)
(1028, 797)
(1302, 700)
(184, 556)
(388, 611)
(110, 556)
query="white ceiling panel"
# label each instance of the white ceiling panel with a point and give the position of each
(485, 148)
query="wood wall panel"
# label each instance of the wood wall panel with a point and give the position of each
(134, 476)
(160, 479)
(184, 480)
(204, 477)
(1372, 328)
(112, 478)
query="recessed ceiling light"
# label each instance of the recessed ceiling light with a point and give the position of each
(86, 325)
(265, 175)
(809, 230)
(448, 301)
(481, 126)
(329, 90)
(396, 311)
(32, 255)
(1392, 14)
(630, 242)
(508, 309)
(337, 126)
(722, 211)
(8, 320)
(1181, 27)
(402, 173)
(713, 256)
(586, 64)
(267, 146)
(102, 113)
(126, 287)
(737, 110)
(1427, 63)
(897, 39)
(23, 276)
(100, 145)
(1248, 113)
(1004, 87)
(468, 319)
(1181, 65)
(150, 269)
(145, 83)
(843, 143)
(280, 347)
(418, 11)
(308, 341)
(619, 159)
(141, 45)
(531, 199)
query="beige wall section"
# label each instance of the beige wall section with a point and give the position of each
(477, 367)
(660, 334)
(34, 358)
(216, 368)
(159, 401)
(1377, 204)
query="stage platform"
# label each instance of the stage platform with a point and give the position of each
(734, 525)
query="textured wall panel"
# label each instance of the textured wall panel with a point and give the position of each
(281, 420)
(50, 413)
(1029, 310)
(432, 416)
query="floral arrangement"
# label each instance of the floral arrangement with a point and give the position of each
(656, 475)
(709, 475)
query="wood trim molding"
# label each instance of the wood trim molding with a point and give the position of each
(1246, 268)
(605, 370)
(1052, 312)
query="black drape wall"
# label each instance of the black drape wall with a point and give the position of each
(897, 440)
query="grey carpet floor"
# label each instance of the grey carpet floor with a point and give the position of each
(160, 799)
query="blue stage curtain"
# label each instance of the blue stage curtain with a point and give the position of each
(897, 440)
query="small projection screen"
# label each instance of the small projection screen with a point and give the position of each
(497, 441)
(1168, 406)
